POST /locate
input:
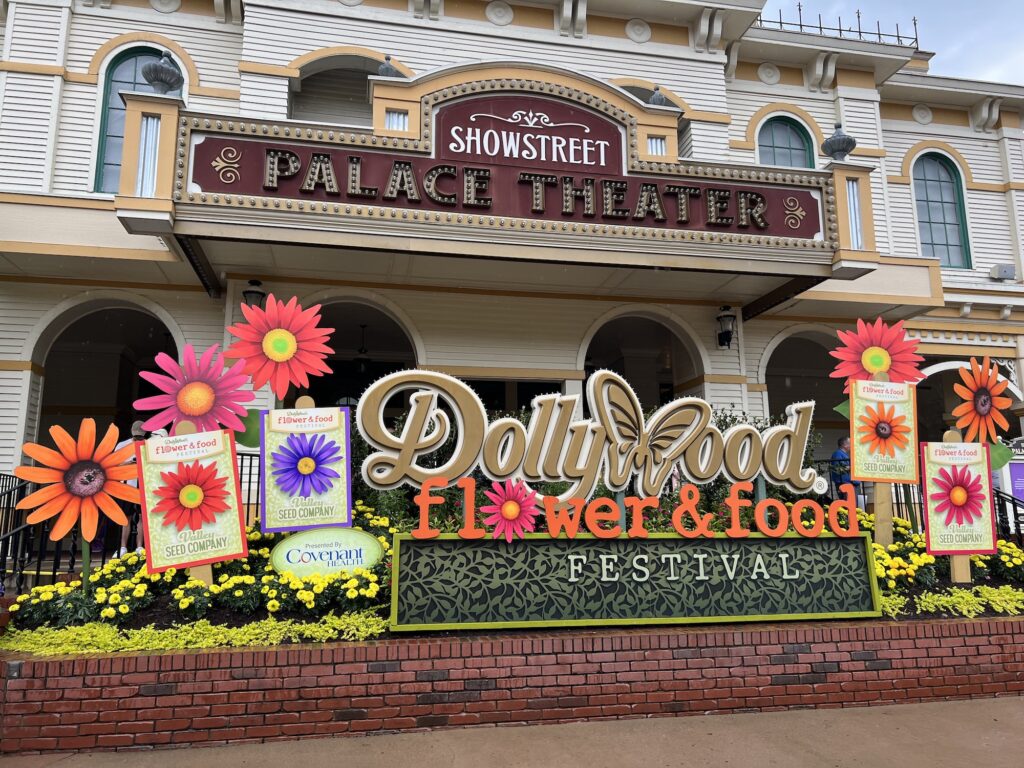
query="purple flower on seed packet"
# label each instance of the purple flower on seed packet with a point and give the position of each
(300, 466)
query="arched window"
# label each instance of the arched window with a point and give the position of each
(783, 141)
(123, 74)
(941, 218)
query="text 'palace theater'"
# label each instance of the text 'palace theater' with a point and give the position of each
(516, 194)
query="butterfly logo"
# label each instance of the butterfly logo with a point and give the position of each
(648, 448)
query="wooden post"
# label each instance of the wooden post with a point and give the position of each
(959, 565)
(305, 402)
(883, 513)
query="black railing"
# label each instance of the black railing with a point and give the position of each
(28, 557)
(847, 32)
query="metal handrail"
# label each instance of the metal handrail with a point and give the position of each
(807, 27)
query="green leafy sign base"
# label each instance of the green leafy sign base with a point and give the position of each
(449, 583)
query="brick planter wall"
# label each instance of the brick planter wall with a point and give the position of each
(186, 698)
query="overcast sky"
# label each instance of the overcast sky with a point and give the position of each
(979, 39)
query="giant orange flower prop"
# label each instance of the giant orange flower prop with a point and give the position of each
(876, 348)
(80, 479)
(883, 431)
(281, 345)
(982, 392)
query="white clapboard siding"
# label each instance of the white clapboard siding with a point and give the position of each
(36, 33)
(333, 96)
(74, 161)
(24, 122)
(13, 389)
(982, 153)
(275, 36)
(263, 97)
(216, 51)
(988, 216)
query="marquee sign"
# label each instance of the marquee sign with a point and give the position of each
(521, 157)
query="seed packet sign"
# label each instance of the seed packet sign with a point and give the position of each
(191, 513)
(959, 513)
(883, 432)
(306, 471)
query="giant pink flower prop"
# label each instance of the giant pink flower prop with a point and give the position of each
(513, 510)
(198, 391)
(960, 496)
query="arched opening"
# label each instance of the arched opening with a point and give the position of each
(92, 368)
(798, 370)
(684, 137)
(650, 356)
(334, 89)
(368, 343)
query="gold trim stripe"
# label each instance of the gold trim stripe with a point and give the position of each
(488, 372)
(428, 288)
(90, 251)
(98, 283)
(22, 365)
(99, 204)
(965, 349)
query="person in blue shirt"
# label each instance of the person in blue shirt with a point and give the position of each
(839, 466)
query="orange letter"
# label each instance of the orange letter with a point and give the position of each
(469, 529)
(850, 505)
(689, 497)
(637, 507)
(603, 510)
(761, 517)
(819, 518)
(424, 500)
(559, 516)
(735, 504)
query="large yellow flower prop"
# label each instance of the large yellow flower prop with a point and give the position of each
(80, 479)
(982, 393)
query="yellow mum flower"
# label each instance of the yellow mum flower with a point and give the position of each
(273, 606)
(122, 608)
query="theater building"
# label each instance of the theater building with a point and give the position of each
(515, 194)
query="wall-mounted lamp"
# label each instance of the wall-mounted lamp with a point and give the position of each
(726, 326)
(254, 295)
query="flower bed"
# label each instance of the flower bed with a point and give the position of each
(249, 603)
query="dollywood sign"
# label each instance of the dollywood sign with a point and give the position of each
(781, 565)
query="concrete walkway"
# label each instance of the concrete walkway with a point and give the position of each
(982, 732)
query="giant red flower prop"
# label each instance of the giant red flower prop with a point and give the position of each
(80, 479)
(883, 431)
(983, 400)
(876, 348)
(198, 391)
(281, 345)
(191, 496)
(513, 510)
(960, 495)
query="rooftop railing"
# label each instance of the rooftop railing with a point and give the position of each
(850, 31)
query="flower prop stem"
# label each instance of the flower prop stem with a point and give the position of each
(86, 566)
